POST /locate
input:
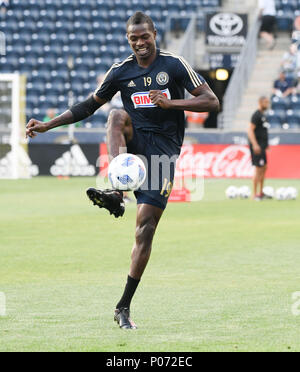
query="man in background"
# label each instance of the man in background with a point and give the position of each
(51, 113)
(283, 87)
(258, 141)
(4, 4)
(267, 13)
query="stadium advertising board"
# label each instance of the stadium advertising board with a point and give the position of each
(209, 160)
(65, 160)
(234, 161)
(226, 29)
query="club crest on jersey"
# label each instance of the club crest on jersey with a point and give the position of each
(142, 99)
(162, 78)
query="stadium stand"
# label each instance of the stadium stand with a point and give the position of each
(285, 111)
(41, 36)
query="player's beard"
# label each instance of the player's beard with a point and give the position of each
(145, 53)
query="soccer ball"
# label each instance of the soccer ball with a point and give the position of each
(232, 192)
(126, 172)
(292, 193)
(281, 193)
(244, 192)
(269, 192)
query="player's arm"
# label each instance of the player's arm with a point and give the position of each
(76, 113)
(252, 139)
(204, 100)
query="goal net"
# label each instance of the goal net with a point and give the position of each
(14, 159)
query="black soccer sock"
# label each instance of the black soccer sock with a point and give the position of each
(129, 291)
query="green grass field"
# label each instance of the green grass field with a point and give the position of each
(220, 278)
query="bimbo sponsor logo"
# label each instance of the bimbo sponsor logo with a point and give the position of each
(142, 99)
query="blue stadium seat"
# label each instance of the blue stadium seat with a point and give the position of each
(274, 120)
(9, 64)
(42, 34)
(295, 106)
(12, 60)
(25, 36)
(80, 36)
(280, 103)
(75, 47)
(280, 113)
(10, 26)
(285, 20)
(61, 36)
(292, 120)
(33, 98)
(44, 72)
(37, 47)
(51, 99)
(25, 70)
(32, 60)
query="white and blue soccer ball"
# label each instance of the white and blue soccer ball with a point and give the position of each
(126, 172)
(281, 194)
(232, 192)
(292, 193)
(244, 192)
(269, 192)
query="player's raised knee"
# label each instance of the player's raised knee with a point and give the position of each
(117, 118)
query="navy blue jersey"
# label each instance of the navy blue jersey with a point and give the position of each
(170, 74)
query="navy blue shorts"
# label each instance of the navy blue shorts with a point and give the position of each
(159, 155)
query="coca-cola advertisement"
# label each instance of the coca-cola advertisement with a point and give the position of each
(200, 161)
(221, 161)
(234, 161)
(229, 161)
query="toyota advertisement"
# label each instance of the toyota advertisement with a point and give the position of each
(226, 29)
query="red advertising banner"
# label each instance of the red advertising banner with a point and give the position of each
(234, 161)
(230, 161)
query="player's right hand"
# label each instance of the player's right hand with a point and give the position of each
(257, 149)
(35, 126)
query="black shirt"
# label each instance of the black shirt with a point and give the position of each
(169, 73)
(261, 131)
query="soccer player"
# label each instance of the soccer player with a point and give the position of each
(152, 84)
(258, 141)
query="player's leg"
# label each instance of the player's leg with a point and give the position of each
(262, 181)
(257, 181)
(148, 217)
(119, 132)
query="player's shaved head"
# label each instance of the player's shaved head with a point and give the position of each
(140, 18)
(264, 102)
(262, 98)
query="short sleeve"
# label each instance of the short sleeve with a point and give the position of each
(186, 76)
(255, 118)
(108, 88)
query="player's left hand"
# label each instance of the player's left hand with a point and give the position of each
(159, 99)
